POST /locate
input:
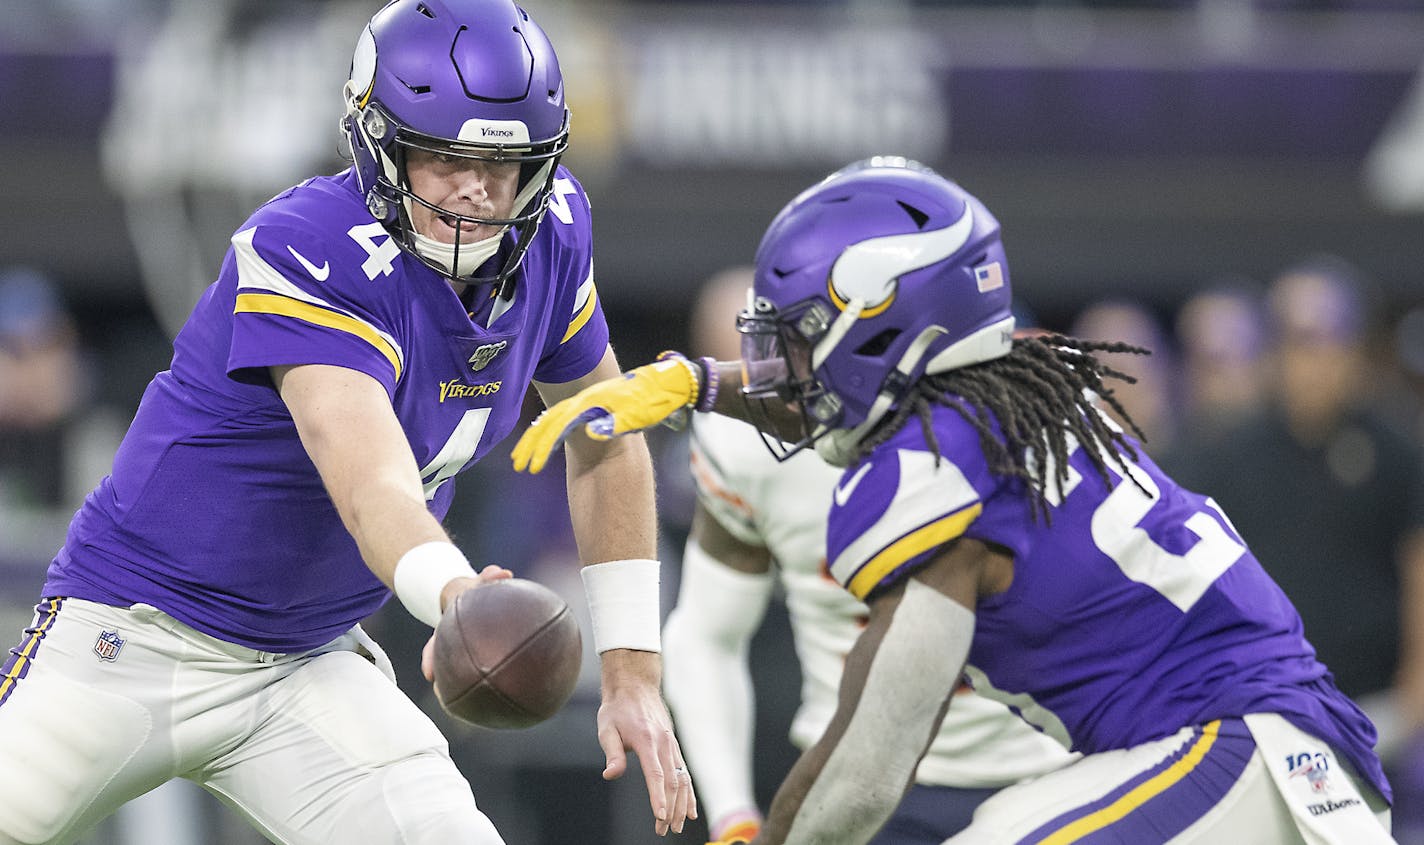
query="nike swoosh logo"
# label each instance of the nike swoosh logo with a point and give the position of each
(318, 273)
(844, 490)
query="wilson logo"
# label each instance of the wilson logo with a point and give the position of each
(453, 389)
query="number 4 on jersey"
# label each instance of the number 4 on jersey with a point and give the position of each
(456, 452)
(559, 200)
(380, 257)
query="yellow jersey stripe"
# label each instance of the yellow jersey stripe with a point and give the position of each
(276, 304)
(22, 656)
(581, 318)
(1144, 792)
(920, 540)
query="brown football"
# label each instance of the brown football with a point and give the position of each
(507, 654)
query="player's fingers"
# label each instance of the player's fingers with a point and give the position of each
(683, 807)
(666, 776)
(532, 451)
(552, 427)
(657, 766)
(524, 451)
(427, 659)
(494, 572)
(615, 758)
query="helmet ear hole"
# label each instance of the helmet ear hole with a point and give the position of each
(877, 345)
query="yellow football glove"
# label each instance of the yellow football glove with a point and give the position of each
(662, 392)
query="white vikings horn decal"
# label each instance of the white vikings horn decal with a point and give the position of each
(868, 270)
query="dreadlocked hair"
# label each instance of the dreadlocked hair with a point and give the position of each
(1040, 393)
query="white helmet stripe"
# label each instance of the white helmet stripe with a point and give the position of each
(867, 270)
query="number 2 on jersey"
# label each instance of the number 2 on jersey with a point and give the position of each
(1180, 578)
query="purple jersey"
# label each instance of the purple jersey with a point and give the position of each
(1135, 610)
(214, 512)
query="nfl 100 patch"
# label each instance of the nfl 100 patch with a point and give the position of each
(108, 645)
(485, 354)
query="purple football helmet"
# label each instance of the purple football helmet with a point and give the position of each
(473, 79)
(879, 274)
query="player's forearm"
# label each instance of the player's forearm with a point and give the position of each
(387, 522)
(610, 489)
(730, 401)
(354, 440)
(708, 686)
(623, 668)
(611, 500)
(772, 417)
(897, 684)
(844, 787)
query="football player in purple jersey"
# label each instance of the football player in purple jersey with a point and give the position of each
(1001, 528)
(370, 334)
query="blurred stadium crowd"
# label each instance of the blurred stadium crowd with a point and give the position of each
(1237, 185)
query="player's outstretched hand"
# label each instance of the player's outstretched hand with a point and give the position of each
(492, 572)
(640, 398)
(634, 718)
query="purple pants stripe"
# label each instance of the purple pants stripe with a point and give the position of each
(1161, 802)
(18, 664)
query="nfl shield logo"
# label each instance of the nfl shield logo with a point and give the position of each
(108, 645)
(1314, 772)
(485, 354)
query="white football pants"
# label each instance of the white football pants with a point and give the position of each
(99, 705)
(1257, 780)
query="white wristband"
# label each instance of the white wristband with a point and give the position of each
(421, 575)
(624, 605)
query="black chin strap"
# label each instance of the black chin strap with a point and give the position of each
(506, 288)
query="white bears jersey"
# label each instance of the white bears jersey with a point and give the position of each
(783, 507)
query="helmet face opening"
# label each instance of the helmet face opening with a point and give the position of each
(493, 93)
(778, 384)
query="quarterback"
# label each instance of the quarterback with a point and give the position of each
(369, 335)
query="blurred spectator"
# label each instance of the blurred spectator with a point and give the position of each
(41, 386)
(714, 315)
(1406, 395)
(1331, 498)
(1221, 340)
(1149, 401)
(1329, 495)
